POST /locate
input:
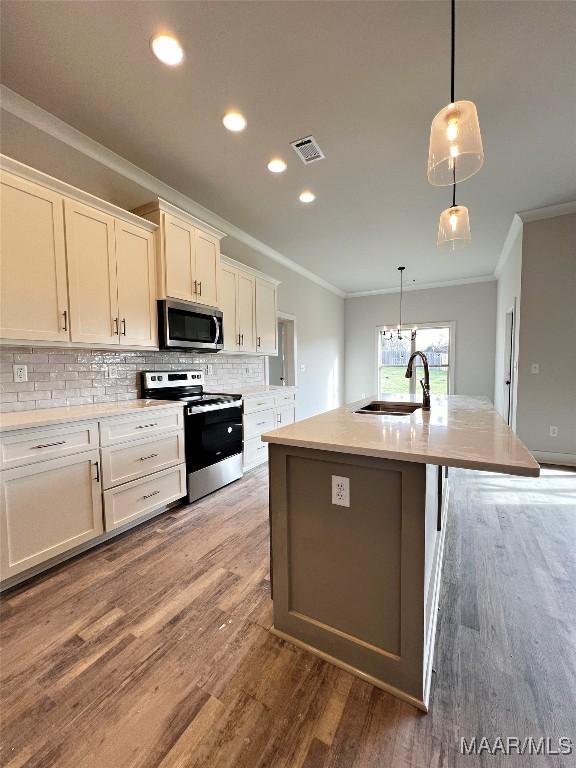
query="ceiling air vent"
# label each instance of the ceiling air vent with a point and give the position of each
(307, 150)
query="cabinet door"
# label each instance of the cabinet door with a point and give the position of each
(47, 509)
(91, 274)
(266, 322)
(136, 285)
(245, 312)
(227, 303)
(207, 264)
(179, 258)
(285, 415)
(33, 298)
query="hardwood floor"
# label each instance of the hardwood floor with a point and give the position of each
(153, 651)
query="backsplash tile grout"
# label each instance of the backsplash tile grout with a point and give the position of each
(60, 377)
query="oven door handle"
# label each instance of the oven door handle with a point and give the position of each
(194, 409)
(216, 323)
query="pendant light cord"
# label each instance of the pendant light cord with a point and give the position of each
(452, 67)
(453, 55)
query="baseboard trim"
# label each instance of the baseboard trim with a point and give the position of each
(548, 457)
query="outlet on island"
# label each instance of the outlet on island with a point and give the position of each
(340, 491)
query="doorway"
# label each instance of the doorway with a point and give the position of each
(509, 366)
(282, 367)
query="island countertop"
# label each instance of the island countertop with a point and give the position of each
(458, 431)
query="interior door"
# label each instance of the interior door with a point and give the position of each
(227, 303)
(34, 297)
(207, 258)
(136, 281)
(179, 258)
(266, 322)
(92, 277)
(245, 303)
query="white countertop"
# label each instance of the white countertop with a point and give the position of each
(254, 390)
(45, 417)
(458, 431)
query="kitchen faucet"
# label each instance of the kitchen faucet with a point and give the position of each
(425, 382)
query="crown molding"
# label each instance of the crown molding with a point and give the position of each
(515, 229)
(239, 265)
(32, 114)
(423, 286)
(38, 177)
(549, 212)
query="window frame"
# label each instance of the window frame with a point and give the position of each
(450, 324)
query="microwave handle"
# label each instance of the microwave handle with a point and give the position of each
(217, 329)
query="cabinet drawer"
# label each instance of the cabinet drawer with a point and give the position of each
(153, 422)
(139, 498)
(255, 452)
(256, 423)
(253, 404)
(128, 461)
(27, 446)
(48, 508)
(284, 398)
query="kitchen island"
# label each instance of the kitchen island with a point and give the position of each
(358, 506)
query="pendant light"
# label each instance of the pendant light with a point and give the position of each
(390, 334)
(455, 151)
(454, 225)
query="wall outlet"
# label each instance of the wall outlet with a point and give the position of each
(535, 368)
(112, 372)
(20, 373)
(340, 491)
(209, 369)
(303, 368)
(553, 431)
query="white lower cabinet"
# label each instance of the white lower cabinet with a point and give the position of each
(139, 498)
(47, 508)
(262, 413)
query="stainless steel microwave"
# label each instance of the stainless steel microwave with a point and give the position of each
(184, 325)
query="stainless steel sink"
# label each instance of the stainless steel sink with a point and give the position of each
(389, 409)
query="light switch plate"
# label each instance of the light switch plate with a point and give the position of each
(553, 431)
(340, 491)
(535, 368)
(20, 373)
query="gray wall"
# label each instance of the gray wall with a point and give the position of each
(472, 307)
(508, 296)
(548, 337)
(319, 312)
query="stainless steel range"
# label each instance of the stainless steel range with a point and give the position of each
(212, 428)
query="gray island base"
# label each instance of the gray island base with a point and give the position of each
(359, 585)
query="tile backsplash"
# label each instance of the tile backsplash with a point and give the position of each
(64, 376)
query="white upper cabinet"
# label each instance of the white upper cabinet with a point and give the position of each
(136, 277)
(74, 268)
(92, 278)
(248, 302)
(34, 296)
(188, 254)
(228, 305)
(245, 310)
(266, 318)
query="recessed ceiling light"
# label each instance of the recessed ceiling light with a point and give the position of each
(307, 196)
(277, 165)
(234, 121)
(167, 49)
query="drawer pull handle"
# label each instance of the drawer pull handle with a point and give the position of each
(145, 426)
(149, 495)
(261, 424)
(48, 445)
(145, 458)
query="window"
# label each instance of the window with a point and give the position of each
(393, 355)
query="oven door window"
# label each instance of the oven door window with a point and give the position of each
(191, 327)
(212, 436)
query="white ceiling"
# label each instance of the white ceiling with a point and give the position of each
(365, 78)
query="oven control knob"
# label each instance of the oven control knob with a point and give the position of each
(229, 430)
